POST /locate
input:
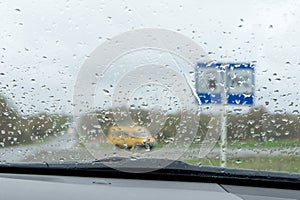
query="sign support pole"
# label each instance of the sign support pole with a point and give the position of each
(224, 138)
(223, 148)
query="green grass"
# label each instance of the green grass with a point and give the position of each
(278, 143)
(286, 164)
(274, 143)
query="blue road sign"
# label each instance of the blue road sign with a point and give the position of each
(237, 77)
(240, 83)
(208, 79)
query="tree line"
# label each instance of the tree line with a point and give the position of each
(257, 124)
(16, 129)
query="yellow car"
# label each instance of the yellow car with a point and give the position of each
(128, 137)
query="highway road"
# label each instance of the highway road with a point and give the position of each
(66, 147)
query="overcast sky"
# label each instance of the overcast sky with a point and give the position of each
(43, 44)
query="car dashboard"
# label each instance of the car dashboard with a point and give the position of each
(36, 187)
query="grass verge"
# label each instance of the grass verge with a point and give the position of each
(285, 164)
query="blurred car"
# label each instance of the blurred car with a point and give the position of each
(128, 137)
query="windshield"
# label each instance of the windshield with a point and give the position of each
(210, 83)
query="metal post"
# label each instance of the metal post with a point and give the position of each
(224, 138)
(224, 124)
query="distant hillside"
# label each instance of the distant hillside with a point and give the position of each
(16, 129)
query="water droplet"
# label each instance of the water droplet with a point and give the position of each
(133, 158)
(106, 91)
(238, 161)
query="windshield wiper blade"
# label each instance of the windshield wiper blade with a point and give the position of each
(118, 167)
